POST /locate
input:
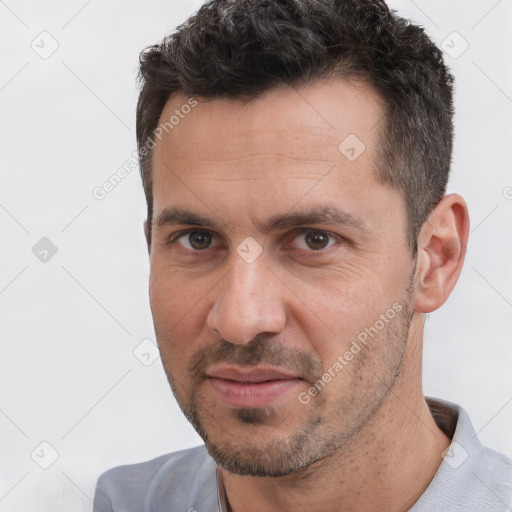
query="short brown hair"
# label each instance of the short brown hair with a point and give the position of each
(239, 49)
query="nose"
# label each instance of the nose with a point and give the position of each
(249, 302)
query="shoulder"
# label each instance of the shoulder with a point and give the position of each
(180, 478)
(471, 476)
(495, 472)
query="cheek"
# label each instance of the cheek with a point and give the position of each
(164, 300)
(334, 314)
(171, 292)
(179, 313)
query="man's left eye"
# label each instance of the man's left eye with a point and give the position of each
(314, 240)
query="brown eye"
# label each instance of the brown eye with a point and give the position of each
(195, 240)
(317, 240)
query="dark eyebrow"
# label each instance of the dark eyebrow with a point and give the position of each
(174, 215)
(325, 215)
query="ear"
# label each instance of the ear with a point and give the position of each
(147, 233)
(442, 246)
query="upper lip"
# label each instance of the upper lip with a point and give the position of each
(249, 375)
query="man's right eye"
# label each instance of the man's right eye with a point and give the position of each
(193, 240)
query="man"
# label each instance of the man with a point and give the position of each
(295, 156)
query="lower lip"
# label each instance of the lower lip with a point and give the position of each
(261, 394)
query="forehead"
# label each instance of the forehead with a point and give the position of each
(307, 123)
(317, 141)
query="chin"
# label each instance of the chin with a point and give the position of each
(269, 453)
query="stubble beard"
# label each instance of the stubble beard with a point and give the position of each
(326, 429)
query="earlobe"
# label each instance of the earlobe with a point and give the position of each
(441, 249)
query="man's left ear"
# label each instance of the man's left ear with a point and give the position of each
(442, 246)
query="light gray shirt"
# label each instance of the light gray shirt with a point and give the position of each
(470, 478)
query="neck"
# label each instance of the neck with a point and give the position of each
(385, 467)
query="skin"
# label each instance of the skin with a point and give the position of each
(367, 440)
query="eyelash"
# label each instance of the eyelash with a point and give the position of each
(173, 239)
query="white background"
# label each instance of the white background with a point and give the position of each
(68, 374)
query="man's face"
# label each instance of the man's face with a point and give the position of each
(280, 273)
